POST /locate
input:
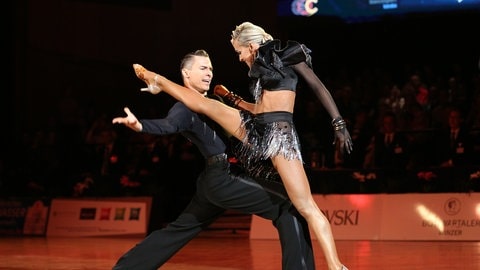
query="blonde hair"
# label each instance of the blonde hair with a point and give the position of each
(248, 32)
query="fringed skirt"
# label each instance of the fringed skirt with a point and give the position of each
(267, 135)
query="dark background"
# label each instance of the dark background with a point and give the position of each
(85, 48)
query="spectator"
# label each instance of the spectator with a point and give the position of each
(454, 152)
(389, 152)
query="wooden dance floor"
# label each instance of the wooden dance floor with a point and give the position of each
(228, 250)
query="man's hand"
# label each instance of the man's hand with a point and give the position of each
(130, 120)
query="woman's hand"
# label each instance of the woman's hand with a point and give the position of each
(342, 135)
(344, 139)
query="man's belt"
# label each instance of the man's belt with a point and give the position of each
(217, 158)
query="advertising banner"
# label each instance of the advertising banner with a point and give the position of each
(352, 217)
(23, 216)
(436, 216)
(84, 217)
(448, 216)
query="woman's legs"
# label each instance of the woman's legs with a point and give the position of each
(225, 116)
(296, 183)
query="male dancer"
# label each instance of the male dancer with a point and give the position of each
(217, 188)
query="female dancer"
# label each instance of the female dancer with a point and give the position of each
(267, 129)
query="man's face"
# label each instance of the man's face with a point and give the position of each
(200, 75)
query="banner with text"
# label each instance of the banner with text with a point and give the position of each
(83, 217)
(445, 216)
(23, 216)
(448, 216)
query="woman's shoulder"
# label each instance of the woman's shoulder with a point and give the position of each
(293, 52)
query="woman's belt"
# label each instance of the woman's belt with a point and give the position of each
(277, 116)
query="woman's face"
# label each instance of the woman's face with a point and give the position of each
(246, 54)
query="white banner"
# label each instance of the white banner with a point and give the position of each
(446, 216)
(84, 217)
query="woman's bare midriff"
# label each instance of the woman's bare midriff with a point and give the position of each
(275, 101)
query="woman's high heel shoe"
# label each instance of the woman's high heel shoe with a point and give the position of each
(151, 87)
